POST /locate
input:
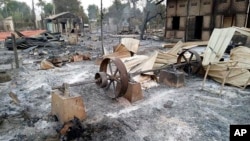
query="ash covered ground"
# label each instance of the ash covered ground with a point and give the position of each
(165, 113)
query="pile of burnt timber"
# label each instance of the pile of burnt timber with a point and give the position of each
(60, 60)
(234, 71)
(44, 38)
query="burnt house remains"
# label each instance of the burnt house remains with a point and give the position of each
(62, 22)
(196, 19)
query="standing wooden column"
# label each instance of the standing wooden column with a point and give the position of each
(102, 29)
(15, 49)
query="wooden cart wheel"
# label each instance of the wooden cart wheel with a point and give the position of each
(189, 65)
(117, 77)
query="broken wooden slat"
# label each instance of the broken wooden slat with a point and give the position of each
(120, 51)
(168, 57)
(131, 44)
(187, 45)
(241, 55)
(176, 48)
(133, 61)
(146, 65)
(237, 76)
(14, 97)
(217, 45)
(46, 65)
(168, 45)
(158, 65)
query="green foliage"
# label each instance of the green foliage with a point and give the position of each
(47, 8)
(83, 15)
(13, 7)
(72, 6)
(20, 12)
(3, 2)
(93, 12)
(115, 11)
(41, 3)
(1, 16)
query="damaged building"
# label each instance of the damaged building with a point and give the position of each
(57, 85)
(62, 22)
(196, 19)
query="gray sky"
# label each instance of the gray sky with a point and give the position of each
(85, 3)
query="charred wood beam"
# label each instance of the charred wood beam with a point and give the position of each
(15, 50)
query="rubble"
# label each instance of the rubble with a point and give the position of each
(186, 45)
(71, 130)
(79, 56)
(45, 65)
(40, 39)
(131, 44)
(168, 57)
(241, 55)
(120, 51)
(155, 113)
(228, 71)
(4, 77)
(72, 39)
(14, 98)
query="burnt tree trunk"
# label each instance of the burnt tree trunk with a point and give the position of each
(144, 25)
(146, 20)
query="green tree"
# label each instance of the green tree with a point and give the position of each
(83, 15)
(20, 12)
(46, 8)
(116, 10)
(93, 12)
(4, 2)
(72, 6)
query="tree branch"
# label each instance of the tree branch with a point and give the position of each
(152, 17)
(159, 2)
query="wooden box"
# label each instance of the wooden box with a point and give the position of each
(66, 108)
(134, 92)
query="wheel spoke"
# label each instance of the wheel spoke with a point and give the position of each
(117, 78)
(114, 87)
(189, 69)
(109, 85)
(110, 67)
(185, 58)
(192, 64)
(115, 72)
(120, 82)
(190, 59)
